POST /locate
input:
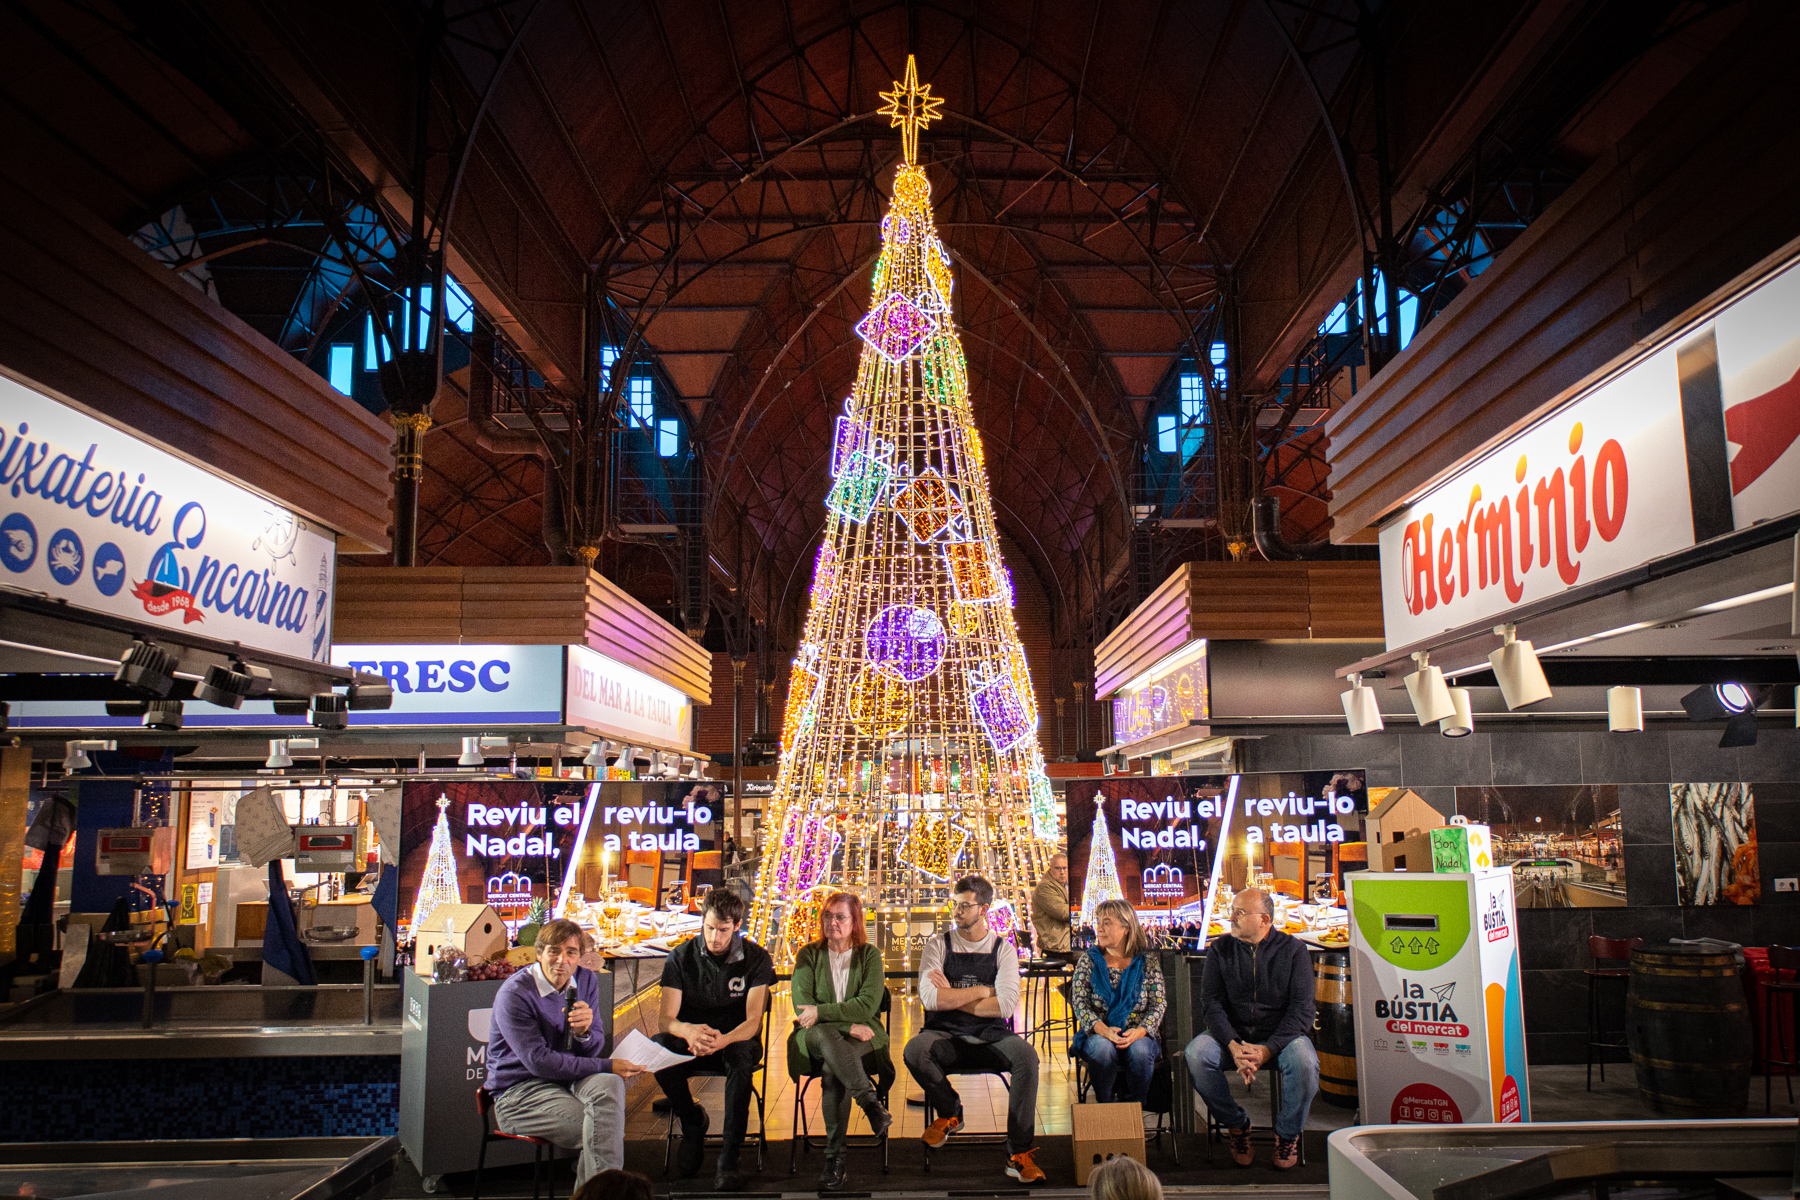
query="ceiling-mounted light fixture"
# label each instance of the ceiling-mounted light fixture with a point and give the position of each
(330, 711)
(1518, 671)
(75, 754)
(596, 754)
(1425, 686)
(163, 714)
(146, 667)
(280, 756)
(695, 769)
(1360, 708)
(474, 750)
(370, 693)
(1731, 701)
(226, 686)
(627, 757)
(1625, 710)
(1461, 722)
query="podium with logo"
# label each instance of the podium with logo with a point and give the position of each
(443, 1060)
(1440, 1021)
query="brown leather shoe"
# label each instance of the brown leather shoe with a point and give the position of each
(940, 1130)
(1241, 1153)
(1287, 1153)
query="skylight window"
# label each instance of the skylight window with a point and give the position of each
(343, 367)
(642, 397)
(668, 438)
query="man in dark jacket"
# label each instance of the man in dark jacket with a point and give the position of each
(1258, 999)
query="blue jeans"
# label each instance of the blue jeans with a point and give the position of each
(1105, 1059)
(1299, 1067)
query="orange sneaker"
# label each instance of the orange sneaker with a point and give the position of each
(1022, 1167)
(940, 1130)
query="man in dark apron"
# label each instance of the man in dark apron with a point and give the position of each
(969, 988)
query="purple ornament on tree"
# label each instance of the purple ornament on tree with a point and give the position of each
(905, 642)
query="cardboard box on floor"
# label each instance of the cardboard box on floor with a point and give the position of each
(1103, 1131)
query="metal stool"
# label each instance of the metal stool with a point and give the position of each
(1602, 950)
(1781, 958)
(1215, 1128)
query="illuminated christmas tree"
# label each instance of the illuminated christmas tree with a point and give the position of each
(1102, 883)
(909, 751)
(438, 885)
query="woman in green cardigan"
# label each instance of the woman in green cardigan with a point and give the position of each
(837, 990)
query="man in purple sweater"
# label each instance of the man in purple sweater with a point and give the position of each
(544, 1057)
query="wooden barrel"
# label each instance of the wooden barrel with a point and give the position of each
(1688, 1029)
(1334, 1027)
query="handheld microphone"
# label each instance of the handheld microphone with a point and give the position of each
(568, 1008)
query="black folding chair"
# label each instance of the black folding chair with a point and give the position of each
(491, 1132)
(758, 1087)
(971, 1060)
(805, 1069)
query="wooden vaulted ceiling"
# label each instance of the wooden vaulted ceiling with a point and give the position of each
(1104, 172)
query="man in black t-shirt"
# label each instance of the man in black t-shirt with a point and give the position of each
(714, 990)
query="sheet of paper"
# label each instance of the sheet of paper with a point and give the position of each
(645, 1053)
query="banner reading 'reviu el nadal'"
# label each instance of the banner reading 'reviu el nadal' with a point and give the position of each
(100, 519)
(1595, 489)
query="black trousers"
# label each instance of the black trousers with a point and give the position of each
(737, 1062)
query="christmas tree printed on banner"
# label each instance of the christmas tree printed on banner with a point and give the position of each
(1102, 871)
(909, 750)
(438, 885)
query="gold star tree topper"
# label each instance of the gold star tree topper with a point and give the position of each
(912, 107)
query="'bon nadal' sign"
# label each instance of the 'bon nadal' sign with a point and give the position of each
(96, 517)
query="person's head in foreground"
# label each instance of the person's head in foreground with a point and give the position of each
(1121, 1178)
(1059, 868)
(721, 915)
(559, 951)
(616, 1185)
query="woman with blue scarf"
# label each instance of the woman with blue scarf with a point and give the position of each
(1119, 1003)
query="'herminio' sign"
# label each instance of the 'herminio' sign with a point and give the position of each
(1597, 488)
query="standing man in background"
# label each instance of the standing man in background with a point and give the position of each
(1050, 908)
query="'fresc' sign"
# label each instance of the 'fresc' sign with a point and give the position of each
(459, 684)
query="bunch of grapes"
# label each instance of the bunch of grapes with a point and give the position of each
(497, 968)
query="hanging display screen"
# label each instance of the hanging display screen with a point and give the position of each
(532, 849)
(1166, 843)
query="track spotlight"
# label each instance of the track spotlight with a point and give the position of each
(1360, 708)
(163, 714)
(596, 754)
(1461, 723)
(693, 769)
(474, 750)
(75, 754)
(148, 668)
(1425, 686)
(330, 710)
(370, 693)
(1625, 710)
(279, 759)
(1716, 701)
(227, 686)
(1517, 669)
